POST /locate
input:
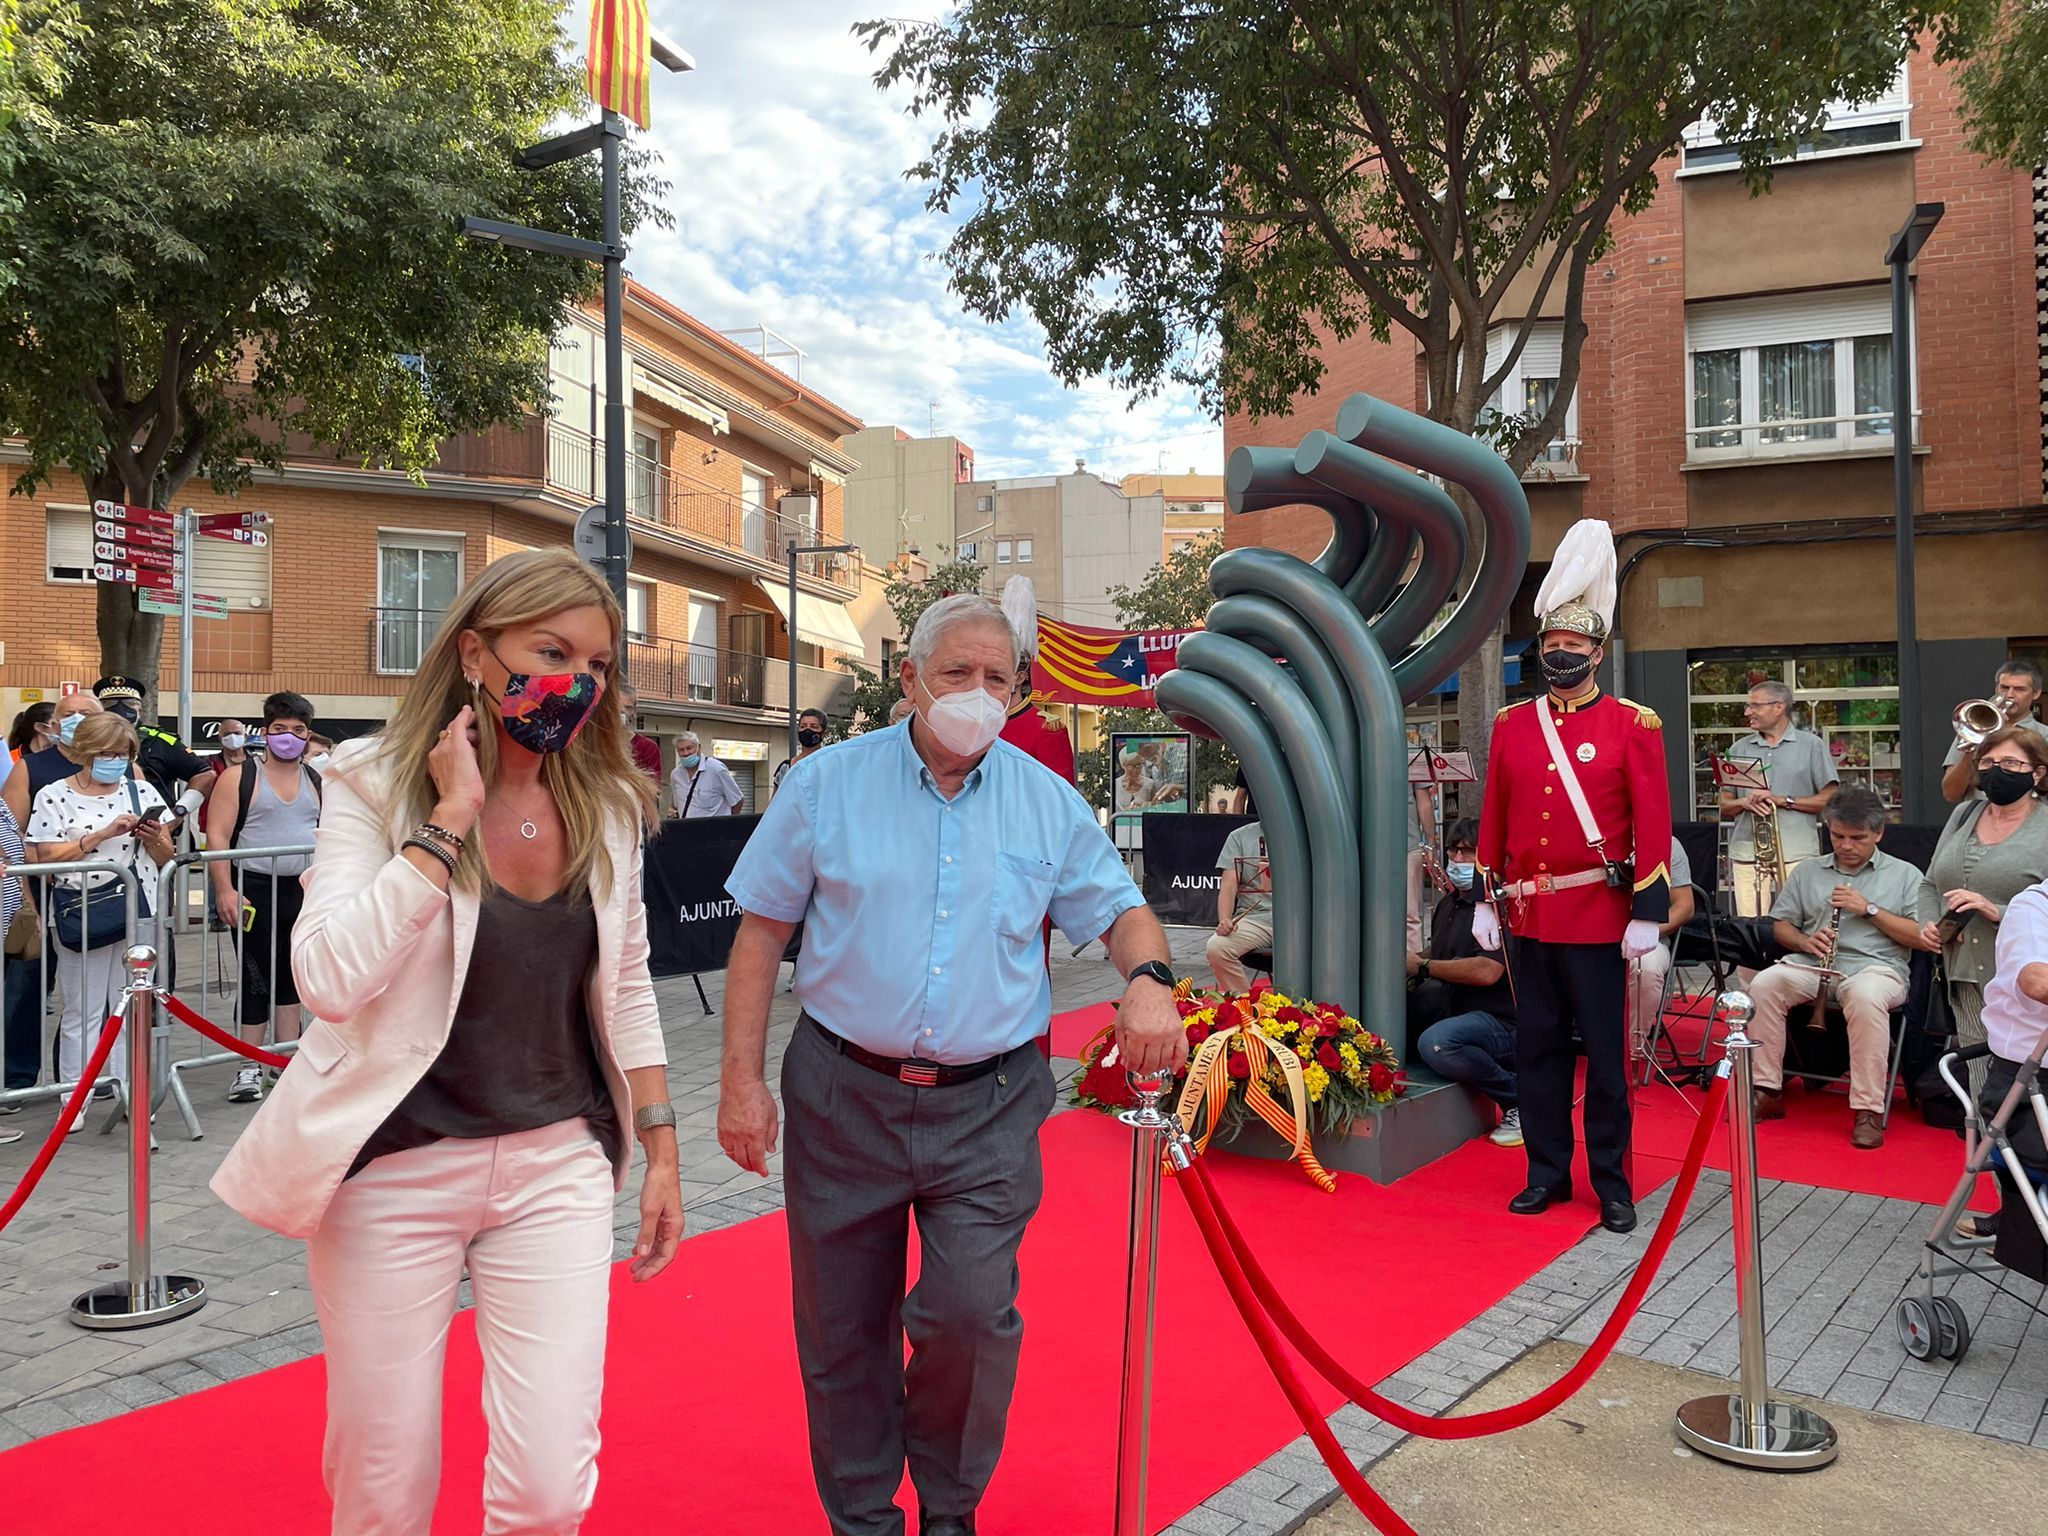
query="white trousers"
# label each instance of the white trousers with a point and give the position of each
(531, 1216)
(91, 982)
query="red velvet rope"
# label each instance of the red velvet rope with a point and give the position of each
(1349, 1478)
(219, 1036)
(1469, 1426)
(55, 1139)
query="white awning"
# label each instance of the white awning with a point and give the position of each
(819, 620)
(679, 398)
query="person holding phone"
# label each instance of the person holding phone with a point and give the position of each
(1994, 846)
(484, 1045)
(100, 813)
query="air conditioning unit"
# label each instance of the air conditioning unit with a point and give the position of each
(800, 508)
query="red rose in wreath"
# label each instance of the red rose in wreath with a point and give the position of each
(1380, 1079)
(1327, 1055)
(1240, 1065)
(1108, 1083)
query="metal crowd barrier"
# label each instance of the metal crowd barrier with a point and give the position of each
(39, 883)
(173, 894)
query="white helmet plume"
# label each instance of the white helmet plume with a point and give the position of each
(1582, 574)
(1020, 607)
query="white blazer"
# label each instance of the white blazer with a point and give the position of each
(380, 954)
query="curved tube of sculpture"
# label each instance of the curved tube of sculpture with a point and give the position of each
(1400, 495)
(1192, 698)
(1326, 814)
(1258, 478)
(1503, 509)
(1279, 631)
(1382, 823)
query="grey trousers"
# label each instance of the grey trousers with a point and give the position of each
(863, 1152)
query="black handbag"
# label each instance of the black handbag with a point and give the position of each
(95, 918)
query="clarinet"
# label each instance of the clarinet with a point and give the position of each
(1820, 998)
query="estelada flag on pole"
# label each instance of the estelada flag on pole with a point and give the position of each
(1079, 665)
(621, 65)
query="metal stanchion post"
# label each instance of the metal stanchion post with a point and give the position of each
(144, 1298)
(1134, 1421)
(1748, 1427)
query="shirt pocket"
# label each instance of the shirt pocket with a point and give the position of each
(1023, 893)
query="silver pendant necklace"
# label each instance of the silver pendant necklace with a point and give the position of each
(528, 830)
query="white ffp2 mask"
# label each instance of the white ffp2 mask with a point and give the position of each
(967, 722)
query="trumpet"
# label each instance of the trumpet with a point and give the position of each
(1770, 854)
(1975, 719)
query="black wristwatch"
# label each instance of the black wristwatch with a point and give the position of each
(1155, 970)
(1422, 970)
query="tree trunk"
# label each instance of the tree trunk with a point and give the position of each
(131, 641)
(1481, 692)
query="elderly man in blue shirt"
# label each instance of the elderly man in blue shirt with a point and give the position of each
(921, 860)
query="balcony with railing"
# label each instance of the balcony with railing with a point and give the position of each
(399, 637)
(663, 496)
(676, 672)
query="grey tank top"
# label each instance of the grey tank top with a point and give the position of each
(275, 823)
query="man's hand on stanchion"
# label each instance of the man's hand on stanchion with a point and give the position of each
(1150, 1038)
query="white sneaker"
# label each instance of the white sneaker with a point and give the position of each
(248, 1086)
(77, 1122)
(1509, 1132)
(10, 1135)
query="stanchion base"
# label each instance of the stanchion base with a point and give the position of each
(1792, 1438)
(109, 1307)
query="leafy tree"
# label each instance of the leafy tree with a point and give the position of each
(2003, 46)
(1229, 187)
(237, 221)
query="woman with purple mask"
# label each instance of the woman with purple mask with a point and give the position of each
(267, 802)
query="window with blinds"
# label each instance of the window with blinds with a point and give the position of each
(1531, 384)
(239, 574)
(67, 543)
(1794, 373)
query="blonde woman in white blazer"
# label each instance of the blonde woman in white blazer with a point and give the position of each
(474, 950)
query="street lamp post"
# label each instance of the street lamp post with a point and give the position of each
(796, 549)
(1905, 248)
(607, 136)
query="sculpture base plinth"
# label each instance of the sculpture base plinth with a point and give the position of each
(1429, 1121)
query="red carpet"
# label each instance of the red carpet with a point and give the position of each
(704, 1421)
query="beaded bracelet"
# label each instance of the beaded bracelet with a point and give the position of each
(447, 859)
(439, 835)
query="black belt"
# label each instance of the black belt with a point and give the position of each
(919, 1074)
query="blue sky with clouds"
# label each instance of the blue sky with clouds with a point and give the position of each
(791, 211)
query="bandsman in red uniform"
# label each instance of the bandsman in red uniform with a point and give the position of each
(1028, 729)
(1578, 904)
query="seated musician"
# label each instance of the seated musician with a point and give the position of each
(1461, 1010)
(1850, 918)
(1244, 905)
(1646, 980)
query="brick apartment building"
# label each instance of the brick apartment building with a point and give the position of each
(730, 458)
(1732, 424)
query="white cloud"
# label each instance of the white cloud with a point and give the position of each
(791, 211)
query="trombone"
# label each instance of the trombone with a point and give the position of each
(1975, 719)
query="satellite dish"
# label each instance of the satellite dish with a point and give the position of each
(588, 539)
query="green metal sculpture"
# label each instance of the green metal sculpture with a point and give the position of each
(1306, 665)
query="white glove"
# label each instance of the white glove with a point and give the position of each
(1639, 938)
(1486, 925)
(190, 801)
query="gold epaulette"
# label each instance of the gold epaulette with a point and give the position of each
(1645, 715)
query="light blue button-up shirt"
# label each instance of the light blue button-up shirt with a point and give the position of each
(922, 916)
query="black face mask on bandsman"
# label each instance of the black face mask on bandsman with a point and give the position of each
(1565, 669)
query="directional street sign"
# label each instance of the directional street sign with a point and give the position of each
(209, 521)
(256, 538)
(134, 533)
(116, 553)
(141, 576)
(115, 511)
(204, 605)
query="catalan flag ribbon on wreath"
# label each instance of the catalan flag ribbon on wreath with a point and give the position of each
(621, 65)
(1117, 667)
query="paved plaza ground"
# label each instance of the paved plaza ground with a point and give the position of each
(1835, 1265)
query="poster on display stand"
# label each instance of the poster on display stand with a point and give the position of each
(1150, 772)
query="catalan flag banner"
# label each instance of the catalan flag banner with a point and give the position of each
(621, 65)
(1118, 667)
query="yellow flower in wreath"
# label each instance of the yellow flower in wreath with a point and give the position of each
(1316, 1080)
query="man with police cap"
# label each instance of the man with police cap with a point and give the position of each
(1574, 843)
(164, 760)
